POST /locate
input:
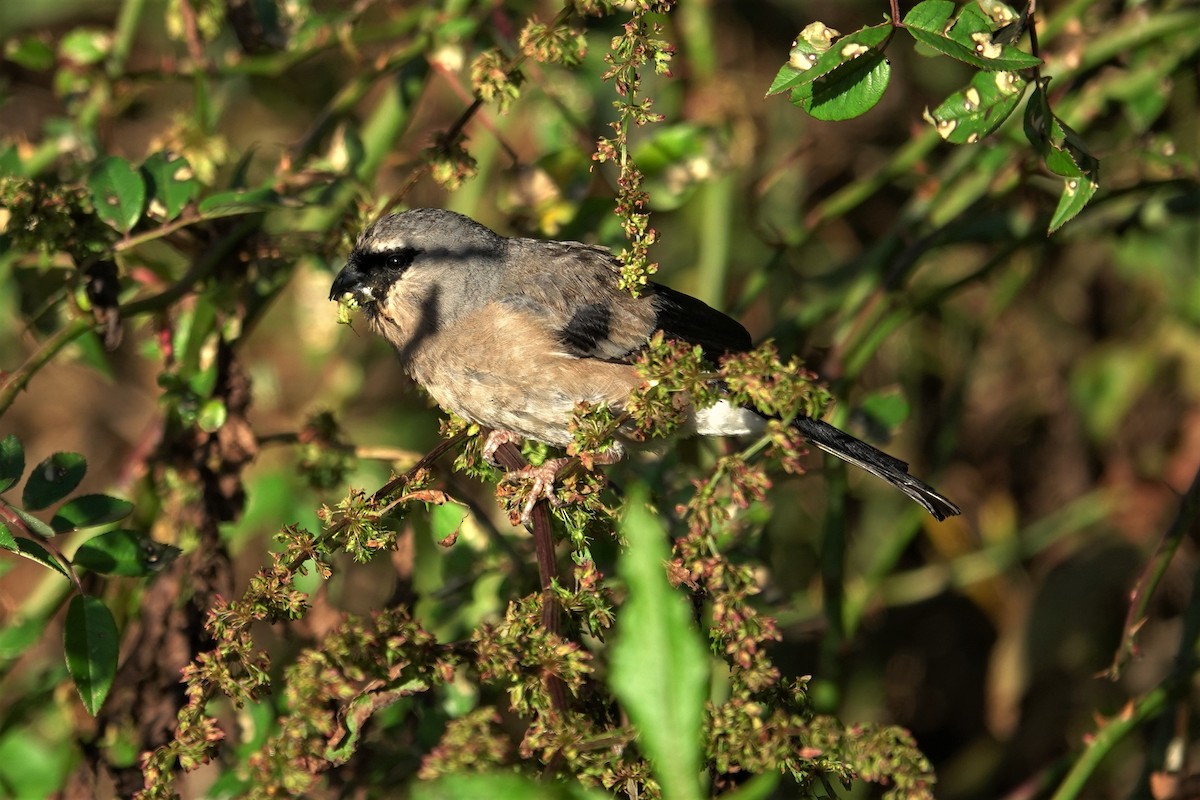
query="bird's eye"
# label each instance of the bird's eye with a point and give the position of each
(399, 259)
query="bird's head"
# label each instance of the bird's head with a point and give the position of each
(400, 247)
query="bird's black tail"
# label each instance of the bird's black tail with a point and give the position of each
(876, 462)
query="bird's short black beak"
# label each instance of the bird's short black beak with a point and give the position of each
(349, 280)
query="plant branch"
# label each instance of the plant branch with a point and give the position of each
(1152, 575)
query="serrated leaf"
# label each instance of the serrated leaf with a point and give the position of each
(843, 51)
(90, 643)
(849, 91)
(34, 551)
(1065, 154)
(238, 202)
(966, 38)
(88, 511)
(33, 524)
(12, 462)
(7, 541)
(126, 553)
(172, 183)
(659, 664)
(806, 49)
(53, 479)
(1077, 193)
(118, 192)
(967, 116)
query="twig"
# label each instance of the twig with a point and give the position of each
(1152, 575)
(511, 459)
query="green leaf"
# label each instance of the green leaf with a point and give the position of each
(500, 786)
(85, 45)
(90, 643)
(659, 666)
(967, 116)
(6, 538)
(10, 167)
(1065, 154)
(172, 183)
(849, 91)
(760, 787)
(968, 38)
(118, 192)
(88, 511)
(12, 462)
(212, 415)
(53, 479)
(446, 520)
(224, 204)
(33, 524)
(124, 552)
(19, 635)
(1076, 194)
(808, 64)
(34, 551)
(30, 52)
(889, 409)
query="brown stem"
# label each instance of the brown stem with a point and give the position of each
(1139, 596)
(509, 457)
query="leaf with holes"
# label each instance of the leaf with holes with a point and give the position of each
(808, 63)
(90, 643)
(88, 511)
(849, 91)
(118, 192)
(12, 462)
(172, 183)
(53, 479)
(968, 38)
(1065, 154)
(967, 116)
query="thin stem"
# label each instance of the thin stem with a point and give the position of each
(127, 26)
(1152, 575)
(1108, 737)
(50, 348)
(509, 457)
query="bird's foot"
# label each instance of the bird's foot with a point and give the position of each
(541, 486)
(494, 441)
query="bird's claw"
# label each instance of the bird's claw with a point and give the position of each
(542, 486)
(494, 441)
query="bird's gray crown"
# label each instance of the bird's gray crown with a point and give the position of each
(431, 230)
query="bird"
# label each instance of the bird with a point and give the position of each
(513, 333)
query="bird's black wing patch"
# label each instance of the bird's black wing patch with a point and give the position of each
(683, 317)
(587, 330)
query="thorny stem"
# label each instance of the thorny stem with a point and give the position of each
(1152, 575)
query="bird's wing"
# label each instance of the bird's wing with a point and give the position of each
(575, 293)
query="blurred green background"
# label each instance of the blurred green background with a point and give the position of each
(1050, 385)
